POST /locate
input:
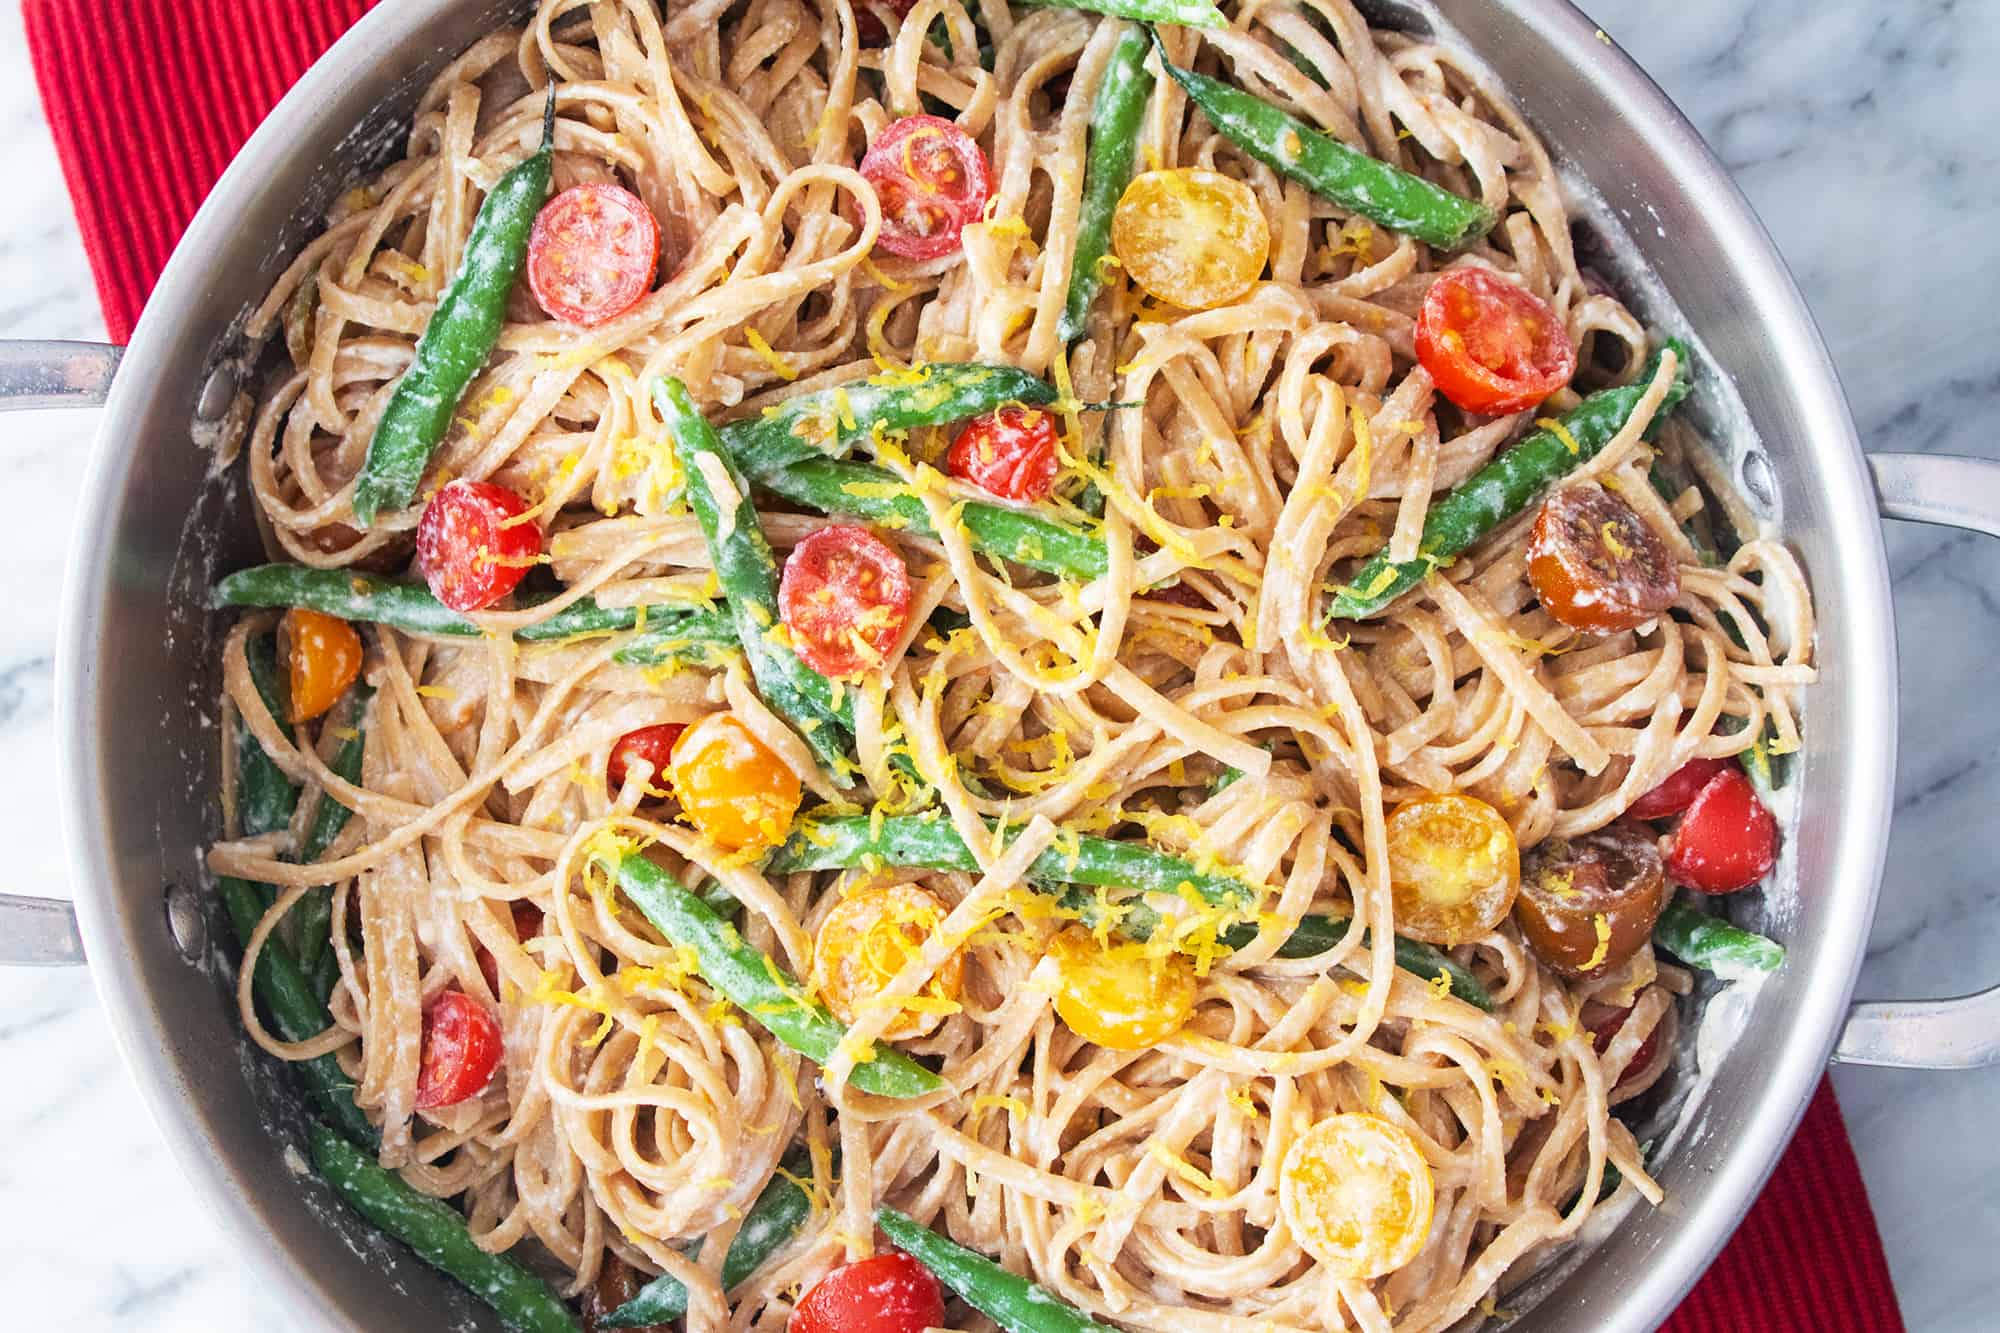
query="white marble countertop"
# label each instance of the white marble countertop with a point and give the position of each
(1863, 135)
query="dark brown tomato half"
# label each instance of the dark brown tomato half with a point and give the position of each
(617, 1282)
(1587, 903)
(1595, 563)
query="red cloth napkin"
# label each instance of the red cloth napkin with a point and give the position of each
(174, 87)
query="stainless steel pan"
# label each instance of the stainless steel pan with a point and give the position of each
(140, 757)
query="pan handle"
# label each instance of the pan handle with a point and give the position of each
(1962, 1032)
(41, 932)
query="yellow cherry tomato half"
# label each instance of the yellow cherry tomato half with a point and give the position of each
(1454, 867)
(865, 941)
(1118, 995)
(731, 785)
(1192, 238)
(1357, 1195)
(323, 656)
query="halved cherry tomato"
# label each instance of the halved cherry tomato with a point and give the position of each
(1357, 1194)
(655, 745)
(889, 1293)
(1603, 1022)
(865, 941)
(617, 1282)
(932, 180)
(1453, 867)
(845, 597)
(527, 925)
(469, 553)
(1587, 903)
(460, 1052)
(1595, 563)
(1491, 347)
(1192, 238)
(592, 254)
(1677, 793)
(1118, 995)
(324, 657)
(1727, 840)
(1010, 453)
(731, 786)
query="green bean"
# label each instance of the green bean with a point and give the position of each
(1707, 942)
(1505, 487)
(1014, 1302)
(297, 1012)
(1107, 169)
(748, 573)
(754, 982)
(265, 797)
(780, 1210)
(829, 422)
(1357, 182)
(1186, 13)
(437, 1232)
(460, 336)
(668, 633)
(796, 451)
(296, 1007)
(312, 918)
(863, 490)
(840, 842)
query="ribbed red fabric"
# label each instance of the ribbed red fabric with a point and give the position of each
(175, 87)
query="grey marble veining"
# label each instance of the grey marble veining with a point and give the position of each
(1864, 135)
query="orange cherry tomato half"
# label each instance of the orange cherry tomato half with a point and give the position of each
(845, 598)
(1118, 995)
(1595, 563)
(655, 745)
(865, 941)
(469, 553)
(1191, 238)
(1677, 793)
(1010, 453)
(889, 1293)
(460, 1052)
(592, 254)
(1490, 346)
(527, 925)
(1357, 1195)
(323, 656)
(932, 180)
(1454, 867)
(1727, 840)
(731, 786)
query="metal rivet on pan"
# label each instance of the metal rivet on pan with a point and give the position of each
(186, 921)
(1760, 487)
(216, 395)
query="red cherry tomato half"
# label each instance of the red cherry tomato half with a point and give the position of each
(470, 555)
(845, 597)
(592, 254)
(1677, 793)
(1491, 346)
(1010, 453)
(527, 925)
(869, 29)
(932, 180)
(1604, 1029)
(654, 744)
(1727, 840)
(890, 1293)
(461, 1050)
